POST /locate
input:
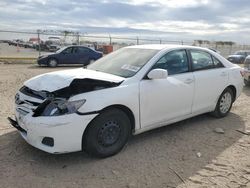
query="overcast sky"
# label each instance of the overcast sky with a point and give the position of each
(177, 19)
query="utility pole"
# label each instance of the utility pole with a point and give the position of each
(110, 40)
(38, 36)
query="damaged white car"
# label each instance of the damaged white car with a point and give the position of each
(129, 91)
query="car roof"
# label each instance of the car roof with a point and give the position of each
(77, 46)
(165, 47)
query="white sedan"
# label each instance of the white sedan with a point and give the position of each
(129, 91)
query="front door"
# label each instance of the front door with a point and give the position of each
(66, 56)
(162, 100)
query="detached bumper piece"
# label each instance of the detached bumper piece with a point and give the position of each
(15, 125)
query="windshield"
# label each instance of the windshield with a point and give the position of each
(61, 49)
(125, 62)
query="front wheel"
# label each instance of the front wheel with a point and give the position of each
(52, 62)
(107, 134)
(224, 103)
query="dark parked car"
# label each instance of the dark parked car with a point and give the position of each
(48, 46)
(70, 55)
(238, 57)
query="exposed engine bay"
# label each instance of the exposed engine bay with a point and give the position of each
(56, 103)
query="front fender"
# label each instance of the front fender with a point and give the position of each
(125, 95)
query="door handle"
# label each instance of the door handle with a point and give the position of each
(189, 81)
(223, 74)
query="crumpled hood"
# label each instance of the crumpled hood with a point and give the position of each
(59, 79)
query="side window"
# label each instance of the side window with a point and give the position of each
(217, 63)
(201, 60)
(83, 50)
(68, 50)
(174, 62)
(75, 50)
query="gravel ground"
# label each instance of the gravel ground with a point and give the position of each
(185, 154)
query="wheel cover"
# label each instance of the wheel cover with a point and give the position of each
(109, 133)
(225, 102)
(52, 62)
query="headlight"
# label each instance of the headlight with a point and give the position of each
(59, 107)
(42, 56)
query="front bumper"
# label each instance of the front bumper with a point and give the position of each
(42, 61)
(66, 131)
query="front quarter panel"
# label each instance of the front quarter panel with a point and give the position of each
(126, 95)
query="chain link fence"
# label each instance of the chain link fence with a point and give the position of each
(23, 44)
(33, 44)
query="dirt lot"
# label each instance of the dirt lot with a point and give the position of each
(185, 154)
(13, 51)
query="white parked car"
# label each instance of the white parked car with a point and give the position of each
(247, 71)
(129, 91)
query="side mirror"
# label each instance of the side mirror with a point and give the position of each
(158, 74)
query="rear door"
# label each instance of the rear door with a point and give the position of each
(211, 78)
(84, 55)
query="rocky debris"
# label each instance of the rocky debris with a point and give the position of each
(115, 172)
(196, 179)
(198, 154)
(245, 132)
(219, 130)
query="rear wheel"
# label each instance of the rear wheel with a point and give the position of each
(88, 63)
(107, 134)
(52, 62)
(91, 61)
(224, 103)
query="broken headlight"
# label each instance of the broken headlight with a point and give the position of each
(59, 107)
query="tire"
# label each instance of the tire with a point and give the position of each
(90, 61)
(52, 62)
(224, 103)
(247, 83)
(107, 134)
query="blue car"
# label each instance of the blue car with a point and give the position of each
(70, 55)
